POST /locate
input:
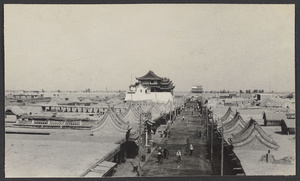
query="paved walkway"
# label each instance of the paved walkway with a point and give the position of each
(197, 164)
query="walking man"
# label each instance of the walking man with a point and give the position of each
(159, 155)
(178, 154)
(165, 132)
(191, 149)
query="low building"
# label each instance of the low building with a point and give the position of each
(273, 119)
(288, 126)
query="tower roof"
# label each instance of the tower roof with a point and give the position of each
(150, 76)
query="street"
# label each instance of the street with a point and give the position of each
(196, 164)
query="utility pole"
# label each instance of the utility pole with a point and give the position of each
(206, 117)
(222, 151)
(140, 145)
(170, 112)
(212, 139)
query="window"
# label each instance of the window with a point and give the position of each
(140, 90)
(146, 91)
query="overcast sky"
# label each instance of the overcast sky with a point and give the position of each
(74, 47)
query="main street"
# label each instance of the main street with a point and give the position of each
(196, 164)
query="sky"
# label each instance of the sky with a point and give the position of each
(75, 47)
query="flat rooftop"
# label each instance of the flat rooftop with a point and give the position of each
(250, 158)
(63, 153)
(287, 147)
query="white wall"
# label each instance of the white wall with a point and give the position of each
(159, 97)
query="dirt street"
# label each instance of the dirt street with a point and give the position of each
(196, 164)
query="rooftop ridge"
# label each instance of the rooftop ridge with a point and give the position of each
(246, 134)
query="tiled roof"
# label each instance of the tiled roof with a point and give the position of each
(233, 122)
(226, 118)
(120, 124)
(131, 110)
(253, 130)
(16, 110)
(154, 112)
(150, 76)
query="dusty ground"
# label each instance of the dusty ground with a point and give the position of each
(197, 164)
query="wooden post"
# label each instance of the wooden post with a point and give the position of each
(222, 151)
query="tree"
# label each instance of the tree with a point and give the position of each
(241, 92)
(255, 91)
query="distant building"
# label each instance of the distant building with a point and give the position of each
(263, 97)
(197, 89)
(273, 119)
(155, 83)
(151, 87)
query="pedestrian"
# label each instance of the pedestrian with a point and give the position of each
(159, 155)
(182, 118)
(165, 132)
(269, 157)
(169, 123)
(178, 154)
(191, 149)
(169, 133)
(154, 130)
(166, 153)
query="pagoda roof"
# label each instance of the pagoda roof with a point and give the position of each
(253, 137)
(150, 76)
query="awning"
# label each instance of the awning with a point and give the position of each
(102, 169)
(150, 122)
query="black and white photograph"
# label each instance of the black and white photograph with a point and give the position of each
(149, 90)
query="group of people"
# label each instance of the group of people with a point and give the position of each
(162, 154)
(167, 132)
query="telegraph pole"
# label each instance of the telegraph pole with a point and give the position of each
(222, 151)
(140, 145)
(170, 112)
(212, 139)
(206, 117)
